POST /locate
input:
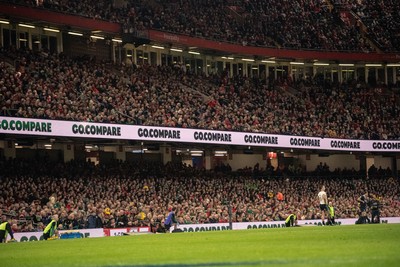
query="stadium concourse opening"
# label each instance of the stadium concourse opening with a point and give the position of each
(299, 154)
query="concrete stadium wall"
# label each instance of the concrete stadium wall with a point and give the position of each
(384, 162)
(333, 161)
(239, 161)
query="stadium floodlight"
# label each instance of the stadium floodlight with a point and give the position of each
(373, 65)
(268, 61)
(51, 30)
(346, 65)
(321, 64)
(393, 65)
(248, 59)
(97, 37)
(176, 50)
(194, 53)
(116, 40)
(4, 22)
(26, 25)
(296, 63)
(75, 33)
(157, 47)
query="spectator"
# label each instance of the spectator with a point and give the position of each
(298, 24)
(202, 197)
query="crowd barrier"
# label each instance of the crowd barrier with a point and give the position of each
(271, 224)
(85, 233)
(102, 232)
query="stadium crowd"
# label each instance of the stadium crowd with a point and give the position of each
(295, 24)
(141, 194)
(381, 18)
(58, 87)
(48, 86)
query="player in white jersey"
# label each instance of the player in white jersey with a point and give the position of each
(323, 203)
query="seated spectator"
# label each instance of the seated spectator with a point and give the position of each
(294, 24)
(196, 204)
(166, 96)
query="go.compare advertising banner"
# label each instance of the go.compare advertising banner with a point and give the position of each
(271, 224)
(85, 233)
(103, 232)
(54, 128)
(36, 236)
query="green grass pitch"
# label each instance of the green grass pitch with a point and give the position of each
(355, 245)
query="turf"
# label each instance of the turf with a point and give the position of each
(356, 245)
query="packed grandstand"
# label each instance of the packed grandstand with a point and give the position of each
(302, 24)
(118, 195)
(57, 86)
